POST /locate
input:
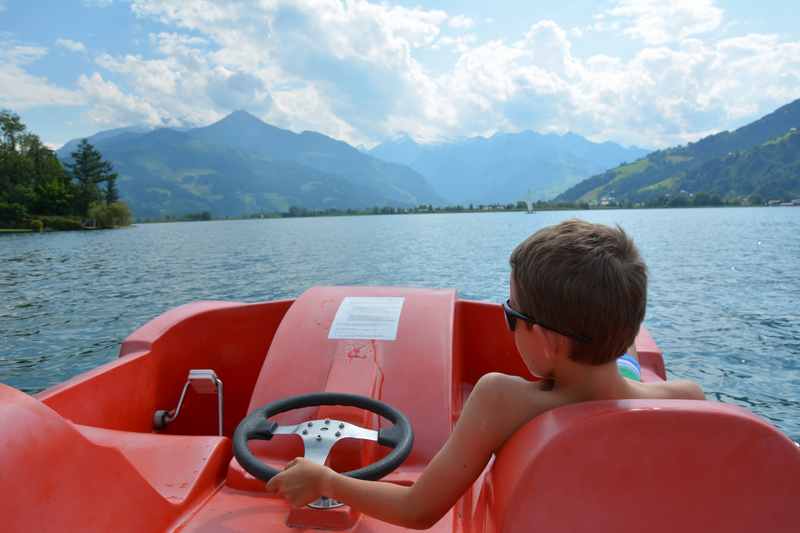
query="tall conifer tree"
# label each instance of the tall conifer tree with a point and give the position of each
(89, 170)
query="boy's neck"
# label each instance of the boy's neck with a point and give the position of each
(589, 382)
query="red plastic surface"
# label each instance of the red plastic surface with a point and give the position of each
(302, 360)
(82, 456)
(232, 338)
(641, 465)
(56, 476)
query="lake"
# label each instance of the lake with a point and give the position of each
(724, 294)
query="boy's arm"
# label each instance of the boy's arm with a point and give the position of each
(491, 414)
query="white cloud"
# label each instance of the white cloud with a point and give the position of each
(145, 75)
(72, 46)
(460, 44)
(111, 106)
(176, 44)
(20, 54)
(354, 59)
(97, 3)
(659, 22)
(350, 69)
(661, 96)
(461, 21)
(22, 90)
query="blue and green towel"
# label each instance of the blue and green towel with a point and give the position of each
(629, 367)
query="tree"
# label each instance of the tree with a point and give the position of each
(12, 127)
(11, 214)
(34, 183)
(111, 192)
(32, 179)
(10, 160)
(89, 169)
(109, 215)
(701, 199)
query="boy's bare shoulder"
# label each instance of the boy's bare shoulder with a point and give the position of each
(507, 387)
(678, 389)
(515, 398)
(498, 380)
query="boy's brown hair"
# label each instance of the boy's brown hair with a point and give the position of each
(584, 279)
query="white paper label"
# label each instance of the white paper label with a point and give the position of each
(373, 318)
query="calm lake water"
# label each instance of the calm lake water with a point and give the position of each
(724, 300)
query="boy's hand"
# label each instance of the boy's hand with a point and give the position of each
(301, 482)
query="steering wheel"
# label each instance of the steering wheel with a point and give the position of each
(319, 436)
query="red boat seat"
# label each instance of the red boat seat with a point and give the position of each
(641, 465)
(56, 475)
(176, 466)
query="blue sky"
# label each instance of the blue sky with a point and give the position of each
(645, 72)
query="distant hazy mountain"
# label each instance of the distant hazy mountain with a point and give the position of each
(241, 165)
(761, 158)
(65, 151)
(505, 167)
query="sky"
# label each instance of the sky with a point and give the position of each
(650, 73)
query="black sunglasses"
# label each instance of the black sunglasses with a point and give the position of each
(512, 315)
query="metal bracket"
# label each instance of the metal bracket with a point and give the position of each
(202, 381)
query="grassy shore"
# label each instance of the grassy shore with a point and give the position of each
(15, 230)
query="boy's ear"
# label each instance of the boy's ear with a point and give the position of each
(548, 341)
(555, 343)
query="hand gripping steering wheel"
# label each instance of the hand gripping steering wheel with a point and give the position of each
(319, 436)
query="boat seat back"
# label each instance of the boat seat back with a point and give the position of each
(642, 465)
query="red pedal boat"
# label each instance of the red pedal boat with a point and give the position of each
(146, 443)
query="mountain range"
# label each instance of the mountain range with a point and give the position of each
(241, 165)
(506, 167)
(759, 160)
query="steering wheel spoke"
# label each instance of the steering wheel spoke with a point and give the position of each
(286, 430)
(319, 436)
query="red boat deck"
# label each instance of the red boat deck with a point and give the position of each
(83, 455)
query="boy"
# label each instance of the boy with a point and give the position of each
(580, 290)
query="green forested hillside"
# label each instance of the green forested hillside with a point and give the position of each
(760, 160)
(242, 166)
(770, 171)
(167, 173)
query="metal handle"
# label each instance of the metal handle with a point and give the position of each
(202, 381)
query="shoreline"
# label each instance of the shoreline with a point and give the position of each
(379, 212)
(322, 214)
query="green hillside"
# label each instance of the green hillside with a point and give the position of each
(241, 166)
(168, 173)
(759, 159)
(771, 171)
